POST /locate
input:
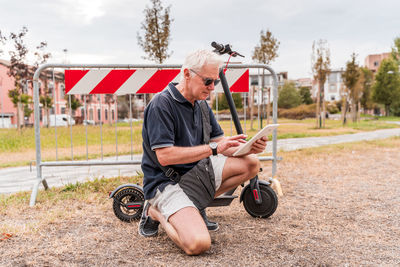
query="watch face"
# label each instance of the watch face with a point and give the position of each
(213, 145)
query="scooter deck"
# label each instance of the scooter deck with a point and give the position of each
(223, 200)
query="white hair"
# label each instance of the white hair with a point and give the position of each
(197, 59)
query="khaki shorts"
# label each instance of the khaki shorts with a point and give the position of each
(172, 198)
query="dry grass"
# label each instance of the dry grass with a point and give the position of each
(340, 208)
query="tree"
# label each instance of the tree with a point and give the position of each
(289, 96)
(45, 99)
(353, 81)
(156, 27)
(265, 53)
(3, 40)
(386, 89)
(396, 50)
(18, 69)
(223, 103)
(366, 98)
(75, 103)
(320, 61)
(305, 95)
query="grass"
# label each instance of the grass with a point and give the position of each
(18, 149)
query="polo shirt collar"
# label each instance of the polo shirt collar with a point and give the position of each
(176, 95)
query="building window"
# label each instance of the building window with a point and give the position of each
(333, 98)
(62, 91)
(98, 114)
(332, 78)
(63, 110)
(82, 112)
(376, 63)
(106, 114)
(112, 114)
(91, 114)
(254, 81)
(332, 88)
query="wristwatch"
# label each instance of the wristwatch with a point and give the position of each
(213, 147)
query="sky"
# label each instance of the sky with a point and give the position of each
(105, 31)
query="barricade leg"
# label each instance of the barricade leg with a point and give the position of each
(36, 186)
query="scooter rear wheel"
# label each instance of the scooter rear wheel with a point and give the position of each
(128, 195)
(268, 205)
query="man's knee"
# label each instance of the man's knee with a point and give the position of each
(253, 165)
(197, 245)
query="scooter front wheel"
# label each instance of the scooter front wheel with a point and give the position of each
(268, 205)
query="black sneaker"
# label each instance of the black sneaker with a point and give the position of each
(147, 226)
(211, 226)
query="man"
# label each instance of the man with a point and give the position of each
(177, 149)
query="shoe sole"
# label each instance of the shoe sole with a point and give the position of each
(213, 230)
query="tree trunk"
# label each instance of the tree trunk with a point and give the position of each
(359, 111)
(48, 117)
(318, 111)
(344, 110)
(109, 113)
(387, 110)
(18, 116)
(354, 112)
(323, 107)
(46, 112)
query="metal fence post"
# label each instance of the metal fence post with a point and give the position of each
(37, 141)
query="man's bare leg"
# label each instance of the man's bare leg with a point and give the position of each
(237, 171)
(186, 229)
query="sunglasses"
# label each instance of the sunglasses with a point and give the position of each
(207, 81)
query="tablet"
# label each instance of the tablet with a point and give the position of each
(245, 148)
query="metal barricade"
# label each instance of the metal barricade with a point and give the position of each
(40, 164)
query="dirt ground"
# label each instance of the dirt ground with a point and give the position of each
(340, 208)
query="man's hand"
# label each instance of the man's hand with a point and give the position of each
(227, 142)
(259, 145)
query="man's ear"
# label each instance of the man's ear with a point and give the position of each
(186, 73)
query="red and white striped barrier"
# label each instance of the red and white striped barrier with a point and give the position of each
(138, 81)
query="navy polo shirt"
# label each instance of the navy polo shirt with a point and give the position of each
(171, 120)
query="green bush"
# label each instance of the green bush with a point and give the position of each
(223, 103)
(332, 108)
(305, 95)
(289, 96)
(298, 113)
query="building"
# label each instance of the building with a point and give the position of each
(304, 82)
(98, 107)
(373, 62)
(256, 83)
(332, 87)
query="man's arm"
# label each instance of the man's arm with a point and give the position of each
(181, 155)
